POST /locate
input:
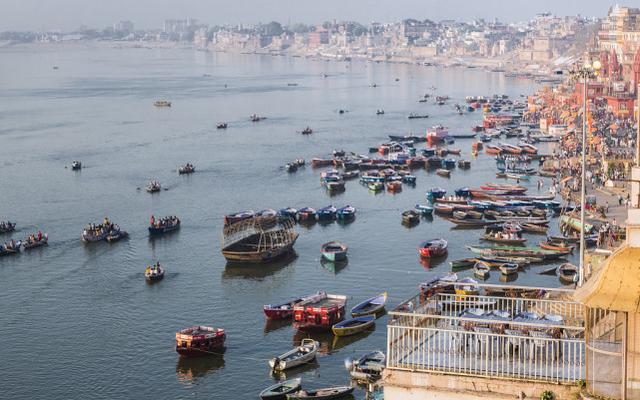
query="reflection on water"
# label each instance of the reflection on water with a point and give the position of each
(191, 369)
(257, 271)
(311, 366)
(429, 263)
(334, 266)
(330, 343)
(340, 342)
(271, 325)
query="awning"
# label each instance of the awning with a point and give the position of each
(616, 284)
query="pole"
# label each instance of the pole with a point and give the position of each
(584, 172)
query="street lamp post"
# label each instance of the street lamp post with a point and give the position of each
(588, 71)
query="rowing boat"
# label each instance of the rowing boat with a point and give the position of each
(354, 325)
(568, 273)
(481, 270)
(300, 355)
(462, 264)
(280, 390)
(321, 394)
(370, 306)
(508, 241)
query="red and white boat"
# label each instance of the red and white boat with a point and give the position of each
(199, 341)
(527, 148)
(319, 312)
(437, 134)
(433, 248)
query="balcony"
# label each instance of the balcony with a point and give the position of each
(490, 331)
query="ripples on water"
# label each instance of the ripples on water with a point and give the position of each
(80, 321)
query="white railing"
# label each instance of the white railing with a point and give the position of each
(489, 336)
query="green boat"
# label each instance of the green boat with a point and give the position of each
(515, 251)
(575, 223)
(464, 263)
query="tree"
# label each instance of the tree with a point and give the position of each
(273, 28)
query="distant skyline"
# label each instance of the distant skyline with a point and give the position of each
(67, 15)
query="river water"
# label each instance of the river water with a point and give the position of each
(80, 321)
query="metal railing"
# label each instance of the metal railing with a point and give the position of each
(489, 336)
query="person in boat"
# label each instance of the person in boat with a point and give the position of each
(153, 220)
(39, 236)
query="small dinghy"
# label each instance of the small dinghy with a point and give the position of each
(354, 325)
(443, 172)
(222, 125)
(481, 270)
(186, 169)
(300, 355)
(321, 394)
(283, 310)
(508, 269)
(370, 306)
(367, 368)
(568, 273)
(410, 217)
(346, 213)
(280, 390)
(154, 273)
(334, 251)
(116, 235)
(462, 263)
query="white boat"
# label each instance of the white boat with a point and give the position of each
(300, 355)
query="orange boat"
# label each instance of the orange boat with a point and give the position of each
(493, 150)
(549, 246)
(394, 186)
(199, 341)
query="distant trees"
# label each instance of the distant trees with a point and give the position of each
(273, 28)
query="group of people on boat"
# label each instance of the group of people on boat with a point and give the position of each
(164, 222)
(12, 245)
(153, 270)
(506, 235)
(37, 238)
(153, 186)
(99, 230)
(6, 226)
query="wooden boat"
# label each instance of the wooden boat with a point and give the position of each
(370, 306)
(7, 227)
(32, 244)
(186, 169)
(443, 209)
(252, 241)
(551, 246)
(200, 340)
(117, 235)
(394, 186)
(321, 394)
(327, 213)
(436, 193)
(508, 269)
(231, 219)
(532, 228)
(321, 162)
(519, 177)
(508, 241)
(375, 186)
(469, 287)
(433, 248)
(459, 215)
(354, 325)
(474, 214)
(335, 186)
(76, 165)
(319, 312)
(575, 223)
(164, 225)
(443, 172)
(549, 271)
(306, 214)
(522, 261)
(568, 273)
(492, 149)
(410, 217)
(334, 251)
(9, 248)
(284, 310)
(302, 354)
(222, 125)
(154, 273)
(280, 390)
(424, 210)
(452, 200)
(367, 368)
(162, 103)
(481, 270)
(469, 223)
(462, 263)
(516, 251)
(346, 213)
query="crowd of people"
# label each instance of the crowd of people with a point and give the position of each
(100, 231)
(37, 238)
(166, 222)
(6, 226)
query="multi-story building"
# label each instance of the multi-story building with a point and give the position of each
(123, 27)
(620, 32)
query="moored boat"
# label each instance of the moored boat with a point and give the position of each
(327, 213)
(199, 340)
(280, 390)
(436, 193)
(481, 270)
(302, 354)
(433, 248)
(370, 306)
(283, 310)
(443, 172)
(532, 228)
(394, 186)
(306, 214)
(508, 239)
(334, 251)
(367, 368)
(410, 217)
(319, 312)
(508, 269)
(346, 213)
(354, 325)
(568, 273)
(321, 394)
(462, 264)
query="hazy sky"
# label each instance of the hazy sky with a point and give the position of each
(69, 14)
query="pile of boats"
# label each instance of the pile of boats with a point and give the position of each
(104, 231)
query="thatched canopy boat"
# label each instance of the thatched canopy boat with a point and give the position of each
(253, 241)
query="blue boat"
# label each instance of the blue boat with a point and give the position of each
(327, 213)
(287, 213)
(370, 306)
(436, 193)
(306, 214)
(424, 210)
(470, 109)
(463, 192)
(449, 163)
(346, 213)
(485, 138)
(409, 179)
(429, 152)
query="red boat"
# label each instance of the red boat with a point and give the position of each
(443, 209)
(319, 312)
(283, 310)
(433, 248)
(321, 162)
(493, 150)
(199, 341)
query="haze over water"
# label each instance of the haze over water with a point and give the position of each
(79, 321)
